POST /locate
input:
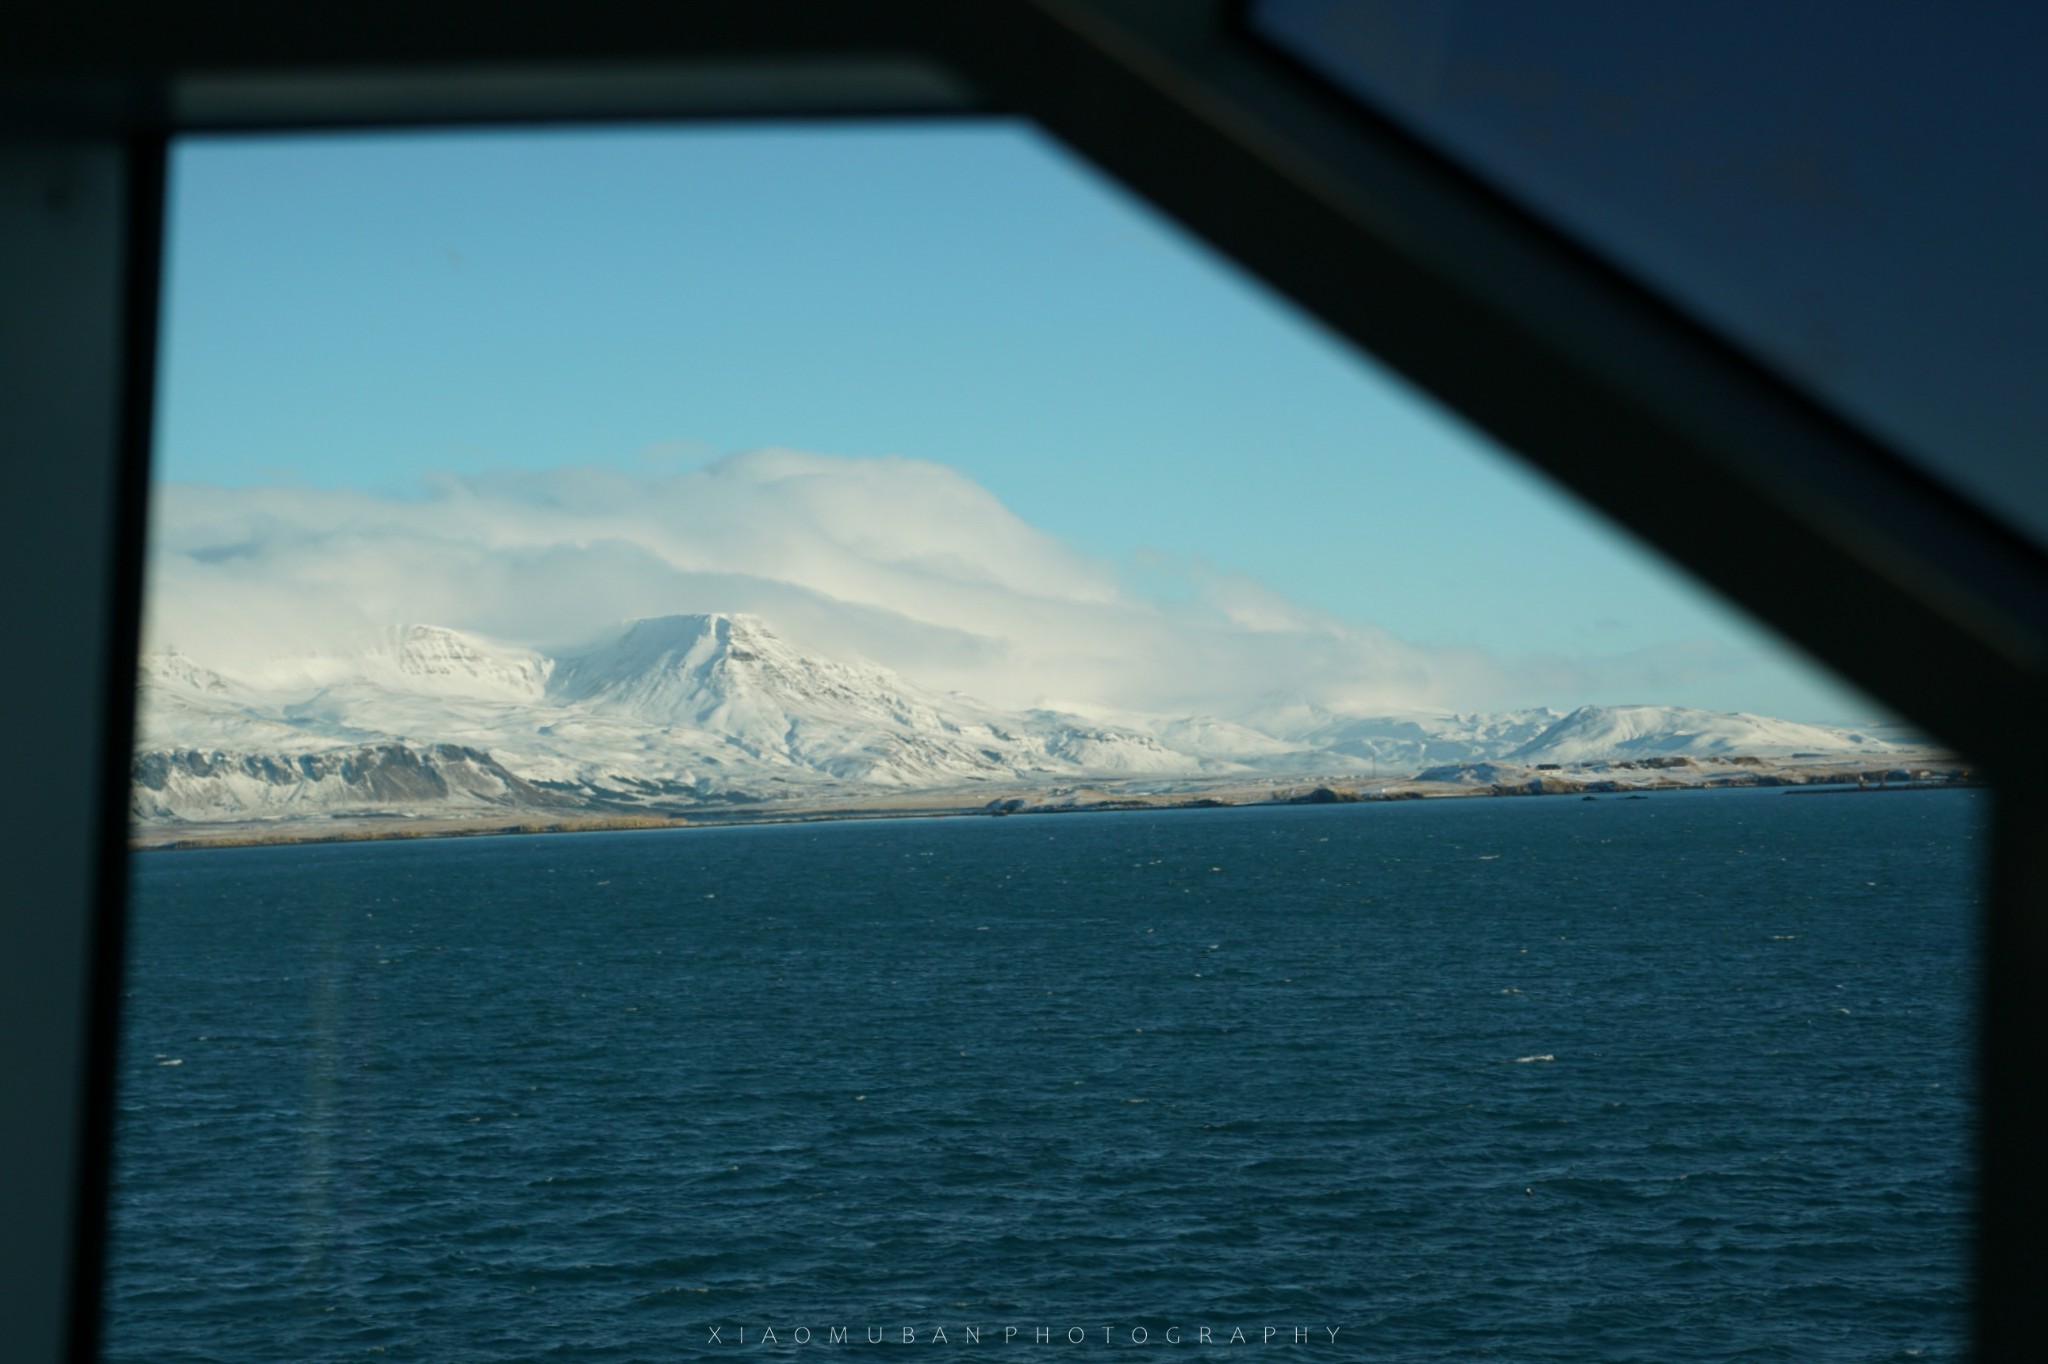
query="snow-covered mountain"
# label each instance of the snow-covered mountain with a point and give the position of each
(721, 681)
(670, 712)
(665, 711)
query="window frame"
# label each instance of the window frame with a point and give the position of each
(1534, 338)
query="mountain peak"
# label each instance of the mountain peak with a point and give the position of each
(171, 668)
(730, 676)
(721, 626)
(680, 645)
(436, 659)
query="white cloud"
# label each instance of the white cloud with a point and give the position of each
(906, 563)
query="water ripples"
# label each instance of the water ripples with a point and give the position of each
(1516, 1079)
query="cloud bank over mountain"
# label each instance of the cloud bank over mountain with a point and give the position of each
(904, 563)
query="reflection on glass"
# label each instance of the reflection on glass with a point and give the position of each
(1858, 201)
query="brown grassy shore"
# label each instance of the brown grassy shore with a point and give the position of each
(910, 805)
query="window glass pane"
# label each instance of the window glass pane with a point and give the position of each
(1854, 194)
(747, 500)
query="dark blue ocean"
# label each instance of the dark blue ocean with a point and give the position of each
(1685, 1078)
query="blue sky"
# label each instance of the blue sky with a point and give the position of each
(390, 317)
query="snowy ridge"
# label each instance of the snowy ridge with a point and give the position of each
(1406, 741)
(441, 778)
(415, 659)
(669, 712)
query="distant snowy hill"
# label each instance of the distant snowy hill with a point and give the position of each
(671, 712)
(1407, 741)
(1596, 733)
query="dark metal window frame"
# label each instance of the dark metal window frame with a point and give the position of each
(1874, 569)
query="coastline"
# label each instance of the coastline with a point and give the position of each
(1623, 780)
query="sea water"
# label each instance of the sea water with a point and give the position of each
(1530, 1080)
